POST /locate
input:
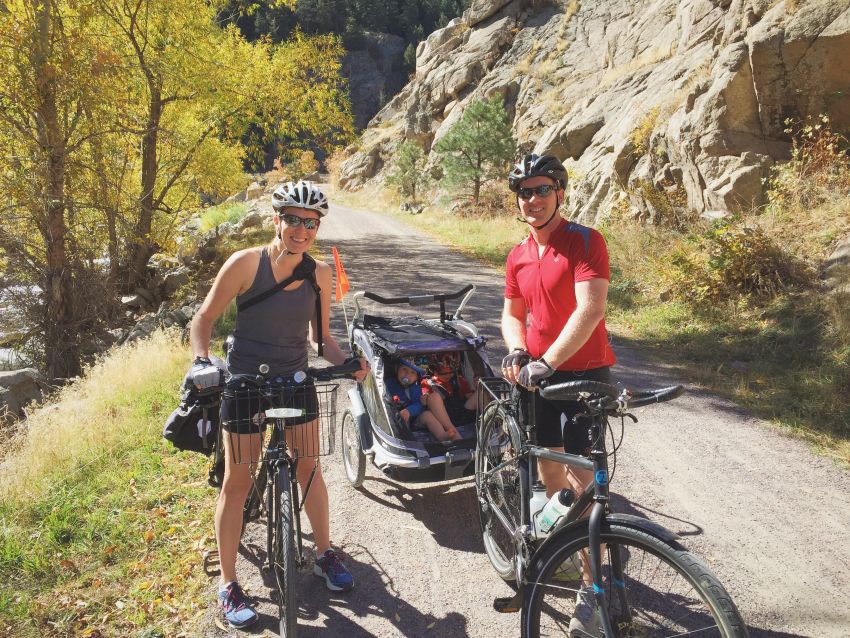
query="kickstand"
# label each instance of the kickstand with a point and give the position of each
(508, 604)
(212, 565)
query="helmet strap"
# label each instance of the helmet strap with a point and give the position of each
(284, 250)
(544, 224)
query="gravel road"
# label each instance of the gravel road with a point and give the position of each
(771, 517)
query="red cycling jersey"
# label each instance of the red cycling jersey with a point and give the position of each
(575, 253)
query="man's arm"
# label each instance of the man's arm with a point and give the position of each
(591, 298)
(513, 331)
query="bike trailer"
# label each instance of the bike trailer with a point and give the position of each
(374, 428)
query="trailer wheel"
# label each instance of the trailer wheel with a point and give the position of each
(353, 458)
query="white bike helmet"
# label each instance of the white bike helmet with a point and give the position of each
(300, 194)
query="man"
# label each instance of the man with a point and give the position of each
(556, 287)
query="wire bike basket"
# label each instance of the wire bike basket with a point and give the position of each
(251, 417)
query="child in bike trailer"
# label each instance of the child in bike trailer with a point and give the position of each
(418, 404)
(275, 331)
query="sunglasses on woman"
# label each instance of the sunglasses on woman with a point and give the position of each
(294, 220)
(540, 191)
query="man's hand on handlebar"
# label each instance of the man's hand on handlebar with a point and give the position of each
(534, 372)
(513, 363)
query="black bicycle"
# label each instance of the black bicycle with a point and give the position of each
(275, 492)
(594, 572)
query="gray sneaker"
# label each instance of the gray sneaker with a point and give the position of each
(585, 620)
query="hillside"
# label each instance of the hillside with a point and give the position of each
(671, 107)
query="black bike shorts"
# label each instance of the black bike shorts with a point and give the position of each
(557, 421)
(243, 408)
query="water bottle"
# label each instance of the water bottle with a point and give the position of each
(554, 509)
(537, 502)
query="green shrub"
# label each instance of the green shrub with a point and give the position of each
(230, 212)
(819, 168)
(732, 260)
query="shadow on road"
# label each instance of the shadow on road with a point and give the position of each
(446, 510)
(375, 595)
(679, 526)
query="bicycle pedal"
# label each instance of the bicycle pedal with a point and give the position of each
(211, 562)
(508, 604)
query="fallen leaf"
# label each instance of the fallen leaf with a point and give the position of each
(431, 626)
(119, 604)
(68, 564)
(220, 625)
(397, 617)
(149, 536)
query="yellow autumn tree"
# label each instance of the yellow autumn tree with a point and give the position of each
(116, 115)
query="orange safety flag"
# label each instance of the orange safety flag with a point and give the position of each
(342, 284)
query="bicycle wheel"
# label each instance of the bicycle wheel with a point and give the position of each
(665, 590)
(282, 558)
(498, 487)
(353, 459)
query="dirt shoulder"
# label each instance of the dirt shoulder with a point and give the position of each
(768, 515)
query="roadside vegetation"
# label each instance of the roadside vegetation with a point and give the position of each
(102, 523)
(738, 304)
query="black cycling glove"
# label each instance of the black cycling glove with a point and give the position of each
(517, 357)
(532, 374)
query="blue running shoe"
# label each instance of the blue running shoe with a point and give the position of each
(336, 576)
(234, 605)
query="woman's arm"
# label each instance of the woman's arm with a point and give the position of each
(332, 352)
(229, 282)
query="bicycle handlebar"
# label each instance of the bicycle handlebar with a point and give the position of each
(418, 300)
(608, 397)
(328, 373)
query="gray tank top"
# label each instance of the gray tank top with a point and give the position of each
(273, 331)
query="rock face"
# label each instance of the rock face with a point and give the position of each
(374, 74)
(662, 104)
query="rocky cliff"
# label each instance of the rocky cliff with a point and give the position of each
(653, 101)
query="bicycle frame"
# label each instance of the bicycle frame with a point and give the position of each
(595, 496)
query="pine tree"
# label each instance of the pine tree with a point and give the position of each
(407, 174)
(477, 148)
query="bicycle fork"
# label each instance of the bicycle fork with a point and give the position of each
(598, 511)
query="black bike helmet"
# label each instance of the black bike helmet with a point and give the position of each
(534, 166)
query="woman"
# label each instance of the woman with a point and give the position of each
(274, 331)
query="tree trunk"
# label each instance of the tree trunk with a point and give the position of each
(60, 349)
(476, 184)
(143, 248)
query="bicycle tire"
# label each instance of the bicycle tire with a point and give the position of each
(499, 440)
(353, 458)
(282, 558)
(692, 601)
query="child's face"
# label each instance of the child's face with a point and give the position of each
(406, 375)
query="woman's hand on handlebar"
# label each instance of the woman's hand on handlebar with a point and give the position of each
(362, 372)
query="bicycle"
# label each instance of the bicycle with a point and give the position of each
(644, 582)
(275, 490)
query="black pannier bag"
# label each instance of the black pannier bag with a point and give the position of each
(193, 426)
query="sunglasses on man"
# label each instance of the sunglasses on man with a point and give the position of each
(541, 191)
(294, 220)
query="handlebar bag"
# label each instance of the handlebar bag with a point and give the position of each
(193, 426)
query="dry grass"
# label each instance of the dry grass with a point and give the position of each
(90, 418)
